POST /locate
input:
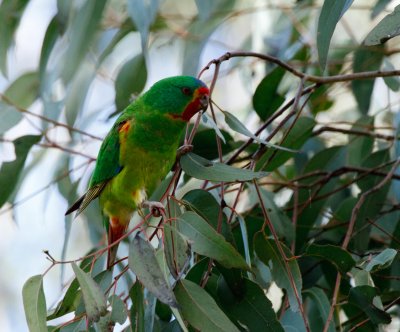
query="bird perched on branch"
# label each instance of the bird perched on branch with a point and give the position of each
(140, 150)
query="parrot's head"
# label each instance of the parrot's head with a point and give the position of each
(178, 97)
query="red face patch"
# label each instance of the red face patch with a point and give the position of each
(195, 105)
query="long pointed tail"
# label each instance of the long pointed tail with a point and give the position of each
(116, 230)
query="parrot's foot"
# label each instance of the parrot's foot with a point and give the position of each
(186, 148)
(156, 208)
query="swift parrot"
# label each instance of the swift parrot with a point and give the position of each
(140, 150)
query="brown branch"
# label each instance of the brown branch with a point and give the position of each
(354, 132)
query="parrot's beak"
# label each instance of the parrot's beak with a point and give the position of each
(204, 99)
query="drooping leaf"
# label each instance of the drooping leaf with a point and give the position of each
(234, 123)
(339, 257)
(209, 122)
(331, 13)
(130, 81)
(268, 252)
(203, 203)
(360, 147)
(93, 297)
(206, 241)
(362, 297)
(318, 309)
(200, 309)
(35, 304)
(177, 250)
(86, 19)
(386, 29)
(143, 14)
(77, 91)
(252, 309)
(10, 171)
(366, 58)
(382, 260)
(137, 307)
(10, 14)
(266, 99)
(143, 262)
(118, 311)
(204, 169)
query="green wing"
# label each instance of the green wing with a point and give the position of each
(107, 166)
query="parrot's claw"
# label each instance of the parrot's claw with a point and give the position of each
(186, 148)
(156, 208)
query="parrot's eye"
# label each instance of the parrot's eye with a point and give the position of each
(186, 91)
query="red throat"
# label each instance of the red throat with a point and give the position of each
(194, 106)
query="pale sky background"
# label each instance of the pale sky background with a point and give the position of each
(39, 222)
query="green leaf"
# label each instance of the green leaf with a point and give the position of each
(204, 169)
(200, 309)
(86, 20)
(296, 138)
(143, 14)
(10, 171)
(130, 80)
(234, 123)
(339, 257)
(177, 251)
(318, 308)
(362, 297)
(203, 203)
(382, 260)
(10, 14)
(331, 13)
(266, 99)
(267, 251)
(118, 310)
(9, 117)
(206, 241)
(24, 90)
(209, 122)
(386, 29)
(143, 262)
(393, 83)
(360, 147)
(379, 7)
(281, 222)
(77, 91)
(53, 31)
(35, 304)
(252, 309)
(365, 59)
(137, 307)
(93, 297)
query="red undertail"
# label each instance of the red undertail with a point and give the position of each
(116, 230)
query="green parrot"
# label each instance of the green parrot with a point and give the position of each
(140, 150)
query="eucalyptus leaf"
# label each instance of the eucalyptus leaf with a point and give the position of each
(93, 297)
(143, 262)
(234, 123)
(206, 241)
(382, 260)
(204, 169)
(10, 171)
(200, 309)
(386, 29)
(331, 13)
(267, 251)
(35, 304)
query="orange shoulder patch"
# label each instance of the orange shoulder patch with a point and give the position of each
(124, 127)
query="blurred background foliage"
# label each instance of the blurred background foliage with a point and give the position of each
(318, 227)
